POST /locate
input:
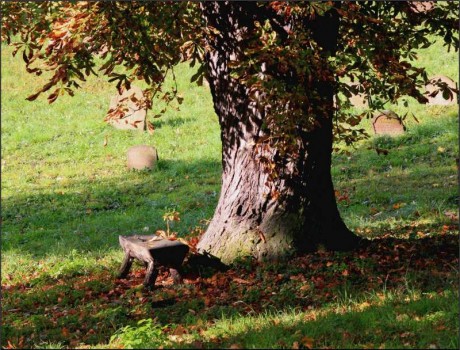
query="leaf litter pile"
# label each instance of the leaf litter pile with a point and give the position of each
(81, 309)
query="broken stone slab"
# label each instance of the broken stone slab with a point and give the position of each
(154, 251)
(141, 157)
(134, 116)
(439, 99)
(388, 123)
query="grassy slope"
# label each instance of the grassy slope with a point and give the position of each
(66, 197)
(62, 190)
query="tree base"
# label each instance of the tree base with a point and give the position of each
(278, 243)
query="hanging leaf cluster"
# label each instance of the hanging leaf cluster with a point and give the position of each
(279, 60)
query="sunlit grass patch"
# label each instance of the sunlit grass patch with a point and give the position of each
(66, 197)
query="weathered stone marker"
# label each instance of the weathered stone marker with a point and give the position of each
(135, 117)
(154, 252)
(359, 99)
(439, 98)
(141, 157)
(388, 123)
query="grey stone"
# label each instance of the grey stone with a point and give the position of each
(387, 123)
(439, 99)
(135, 117)
(141, 157)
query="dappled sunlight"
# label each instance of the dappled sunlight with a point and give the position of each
(357, 324)
(325, 298)
(67, 195)
(90, 215)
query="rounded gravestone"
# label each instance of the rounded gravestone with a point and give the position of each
(141, 157)
(134, 116)
(387, 123)
(439, 99)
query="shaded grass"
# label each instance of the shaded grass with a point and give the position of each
(398, 293)
(416, 182)
(66, 198)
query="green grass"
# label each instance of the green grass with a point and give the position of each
(420, 173)
(62, 190)
(66, 197)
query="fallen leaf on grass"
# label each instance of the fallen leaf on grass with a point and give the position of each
(197, 344)
(65, 332)
(179, 330)
(241, 281)
(363, 306)
(307, 342)
(451, 215)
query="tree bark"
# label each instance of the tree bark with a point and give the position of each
(247, 220)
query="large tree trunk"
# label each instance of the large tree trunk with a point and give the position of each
(248, 220)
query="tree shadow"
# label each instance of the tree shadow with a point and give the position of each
(421, 270)
(89, 215)
(368, 326)
(172, 122)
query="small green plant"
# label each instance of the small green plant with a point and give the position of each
(169, 216)
(145, 335)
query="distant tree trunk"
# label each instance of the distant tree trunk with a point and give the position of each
(247, 220)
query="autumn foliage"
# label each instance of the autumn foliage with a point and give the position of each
(377, 41)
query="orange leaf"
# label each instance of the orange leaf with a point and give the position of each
(179, 330)
(307, 342)
(241, 281)
(65, 332)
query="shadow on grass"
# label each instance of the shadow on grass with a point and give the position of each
(391, 288)
(171, 122)
(89, 215)
(413, 323)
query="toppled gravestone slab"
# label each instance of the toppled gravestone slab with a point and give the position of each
(439, 98)
(141, 157)
(387, 123)
(154, 251)
(134, 116)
